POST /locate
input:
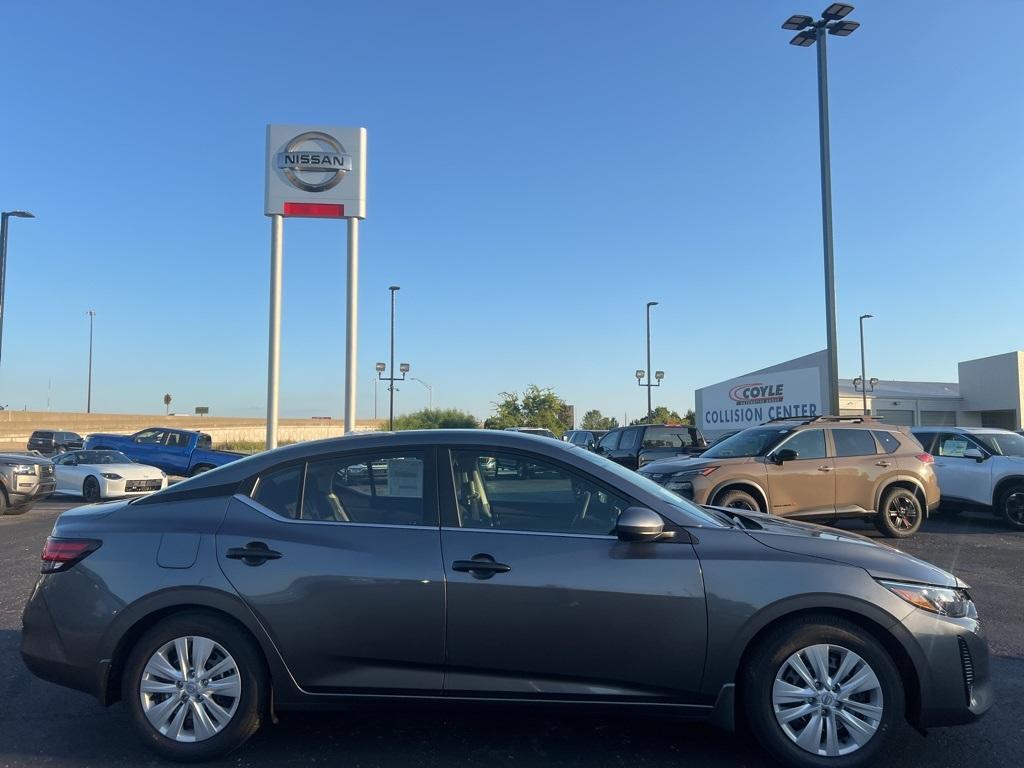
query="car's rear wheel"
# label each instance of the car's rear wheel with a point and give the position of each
(900, 514)
(91, 490)
(737, 499)
(1011, 506)
(200, 469)
(195, 687)
(820, 691)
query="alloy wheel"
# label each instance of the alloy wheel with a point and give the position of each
(827, 700)
(902, 512)
(190, 689)
(1014, 508)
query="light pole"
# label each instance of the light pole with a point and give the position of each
(430, 392)
(863, 368)
(832, 22)
(88, 392)
(4, 216)
(404, 367)
(658, 375)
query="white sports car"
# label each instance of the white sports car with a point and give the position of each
(98, 475)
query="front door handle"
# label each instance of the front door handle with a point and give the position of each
(883, 463)
(253, 553)
(824, 468)
(481, 566)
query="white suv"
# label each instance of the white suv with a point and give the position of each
(980, 466)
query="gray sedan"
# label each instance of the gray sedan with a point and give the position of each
(424, 565)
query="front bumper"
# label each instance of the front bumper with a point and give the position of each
(28, 492)
(114, 489)
(953, 669)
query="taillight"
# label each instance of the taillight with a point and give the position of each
(925, 458)
(61, 554)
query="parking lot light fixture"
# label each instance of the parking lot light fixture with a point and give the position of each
(4, 216)
(659, 375)
(831, 22)
(391, 378)
(863, 372)
(381, 367)
(404, 368)
(797, 21)
(640, 375)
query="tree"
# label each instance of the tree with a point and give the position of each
(446, 418)
(594, 420)
(662, 415)
(536, 407)
(167, 404)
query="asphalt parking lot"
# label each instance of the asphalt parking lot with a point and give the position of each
(44, 725)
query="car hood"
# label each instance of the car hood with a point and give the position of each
(880, 560)
(681, 464)
(129, 471)
(24, 458)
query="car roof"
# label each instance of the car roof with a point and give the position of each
(242, 469)
(968, 430)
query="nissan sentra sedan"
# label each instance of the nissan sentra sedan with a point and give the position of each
(288, 579)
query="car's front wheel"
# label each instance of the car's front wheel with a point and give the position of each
(820, 691)
(91, 490)
(1011, 506)
(900, 514)
(737, 499)
(195, 687)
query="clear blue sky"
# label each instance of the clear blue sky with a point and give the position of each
(538, 170)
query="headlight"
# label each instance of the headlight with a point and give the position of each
(684, 479)
(944, 601)
(23, 469)
(111, 475)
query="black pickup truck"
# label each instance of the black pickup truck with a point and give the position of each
(635, 446)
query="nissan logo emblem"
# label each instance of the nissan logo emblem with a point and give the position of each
(328, 163)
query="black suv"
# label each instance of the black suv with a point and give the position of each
(50, 441)
(635, 446)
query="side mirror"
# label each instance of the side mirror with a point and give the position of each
(786, 454)
(974, 453)
(591, 445)
(639, 524)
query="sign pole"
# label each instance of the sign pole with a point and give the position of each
(274, 352)
(351, 335)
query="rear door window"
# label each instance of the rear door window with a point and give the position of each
(629, 440)
(278, 491)
(853, 442)
(610, 442)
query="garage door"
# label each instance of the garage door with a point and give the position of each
(898, 418)
(938, 418)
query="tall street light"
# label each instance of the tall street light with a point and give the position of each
(4, 215)
(88, 392)
(863, 367)
(811, 32)
(404, 367)
(658, 375)
(430, 392)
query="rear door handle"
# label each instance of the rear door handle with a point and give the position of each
(253, 553)
(825, 468)
(883, 463)
(481, 566)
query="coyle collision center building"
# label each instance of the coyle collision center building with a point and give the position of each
(989, 393)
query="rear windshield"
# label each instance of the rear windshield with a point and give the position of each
(669, 437)
(43, 435)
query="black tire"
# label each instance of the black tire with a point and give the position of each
(200, 469)
(900, 514)
(738, 499)
(3, 502)
(91, 490)
(7, 509)
(252, 701)
(771, 654)
(1011, 506)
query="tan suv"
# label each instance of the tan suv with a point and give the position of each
(818, 469)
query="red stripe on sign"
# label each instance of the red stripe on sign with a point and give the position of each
(316, 210)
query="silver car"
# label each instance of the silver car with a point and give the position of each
(287, 579)
(24, 479)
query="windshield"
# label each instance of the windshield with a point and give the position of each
(102, 457)
(702, 516)
(756, 441)
(1002, 443)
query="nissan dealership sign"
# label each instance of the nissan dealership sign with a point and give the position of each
(315, 171)
(760, 397)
